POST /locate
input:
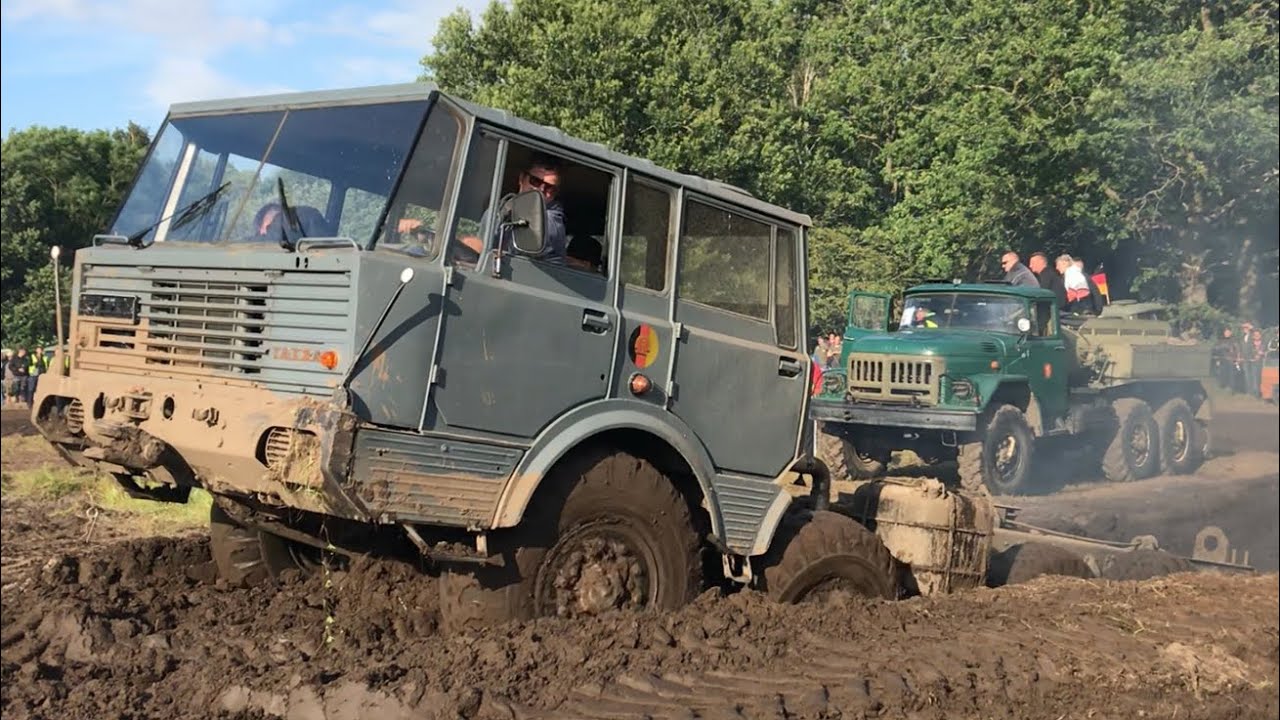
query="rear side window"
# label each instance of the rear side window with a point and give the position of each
(786, 311)
(646, 232)
(725, 261)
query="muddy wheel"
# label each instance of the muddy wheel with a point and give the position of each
(613, 534)
(1134, 451)
(1144, 564)
(246, 557)
(1181, 445)
(1024, 561)
(815, 554)
(1001, 458)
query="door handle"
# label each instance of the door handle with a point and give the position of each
(596, 322)
(789, 367)
(1059, 348)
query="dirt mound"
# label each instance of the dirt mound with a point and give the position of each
(142, 629)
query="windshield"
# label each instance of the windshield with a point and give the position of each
(974, 311)
(216, 178)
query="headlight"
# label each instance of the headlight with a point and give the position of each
(833, 383)
(961, 389)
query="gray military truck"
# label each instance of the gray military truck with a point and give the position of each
(990, 374)
(600, 407)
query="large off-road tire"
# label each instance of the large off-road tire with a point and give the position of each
(817, 553)
(1134, 451)
(246, 557)
(610, 531)
(1025, 561)
(1001, 456)
(1144, 564)
(1182, 444)
(846, 462)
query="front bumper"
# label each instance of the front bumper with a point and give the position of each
(216, 431)
(931, 418)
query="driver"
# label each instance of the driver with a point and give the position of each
(923, 317)
(543, 175)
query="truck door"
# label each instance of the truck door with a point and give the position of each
(1047, 362)
(741, 375)
(520, 349)
(868, 313)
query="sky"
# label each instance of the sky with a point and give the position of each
(99, 64)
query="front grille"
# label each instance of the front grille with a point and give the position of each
(889, 378)
(261, 326)
(208, 325)
(276, 448)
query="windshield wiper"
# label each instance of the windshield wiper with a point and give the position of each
(181, 217)
(290, 219)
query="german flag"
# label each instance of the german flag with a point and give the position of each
(1101, 281)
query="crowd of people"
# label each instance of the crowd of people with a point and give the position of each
(1238, 358)
(1076, 290)
(21, 370)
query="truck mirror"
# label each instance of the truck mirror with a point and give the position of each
(1024, 325)
(525, 215)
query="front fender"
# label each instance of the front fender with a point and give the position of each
(587, 421)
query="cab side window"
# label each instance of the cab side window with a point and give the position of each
(725, 261)
(646, 231)
(576, 198)
(786, 302)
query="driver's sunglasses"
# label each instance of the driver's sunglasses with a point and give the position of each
(540, 184)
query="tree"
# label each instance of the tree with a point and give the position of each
(60, 187)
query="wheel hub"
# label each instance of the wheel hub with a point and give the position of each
(1181, 442)
(1140, 443)
(593, 572)
(1006, 456)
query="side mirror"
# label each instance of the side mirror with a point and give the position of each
(525, 214)
(1024, 325)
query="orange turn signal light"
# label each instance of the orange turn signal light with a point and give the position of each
(329, 359)
(640, 384)
(995, 364)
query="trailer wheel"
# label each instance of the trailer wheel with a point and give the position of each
(1134, 451)
(246, 557)
(1002, 455)
(815, 554)
(1181, 443)
(1144, 564)
(1025, 561)
(611, 532)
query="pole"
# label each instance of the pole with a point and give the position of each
(58, 362)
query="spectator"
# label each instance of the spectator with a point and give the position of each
(8, 379)
(1076, 285)
(1255, 350)
(833, 349)
(1049, 277)
(1095, 294)
(19, 367)
(1015, 273)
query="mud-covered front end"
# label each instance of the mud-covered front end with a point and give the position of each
(213, 367)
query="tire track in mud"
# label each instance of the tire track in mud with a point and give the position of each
(141, 629)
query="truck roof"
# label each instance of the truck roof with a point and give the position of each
(423, 91)
(997, 288)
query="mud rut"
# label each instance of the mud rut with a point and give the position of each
(99, 627)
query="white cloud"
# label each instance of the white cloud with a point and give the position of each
(179, 79)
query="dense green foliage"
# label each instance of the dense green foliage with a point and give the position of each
(60, 187)
(925, 138)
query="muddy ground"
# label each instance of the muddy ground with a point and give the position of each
(100, 625)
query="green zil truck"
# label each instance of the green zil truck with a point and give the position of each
(993, 375)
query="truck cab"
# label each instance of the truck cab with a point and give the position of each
(290, 311)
